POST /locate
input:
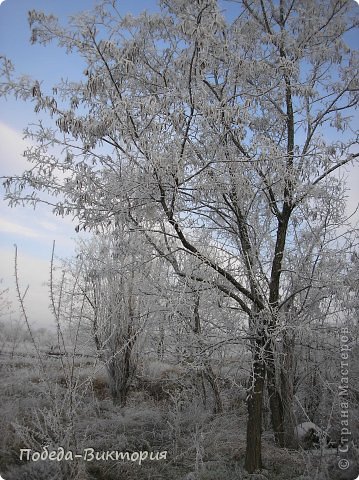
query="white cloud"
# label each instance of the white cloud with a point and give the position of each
(12, 147)
(350, 173)
(11, 227)
(32, 272)
(352, 183)
(36, 230)
(48, 226)
(33, 231)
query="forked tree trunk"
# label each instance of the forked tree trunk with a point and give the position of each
(119, 380)
(253, 460)
(122, 367)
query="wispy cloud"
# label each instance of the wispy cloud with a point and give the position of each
(12, 147)
(12, 227)
(33, 272)
(48, 226)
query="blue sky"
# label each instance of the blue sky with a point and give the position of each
(34, 230)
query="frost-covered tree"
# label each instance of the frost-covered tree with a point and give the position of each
(218, 139)
(114, 294)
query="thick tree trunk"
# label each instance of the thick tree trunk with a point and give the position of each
(211, 378)
(275, 399)
(161, 345)
(121, 368)
(287, 388)
(288, 417)
(281, 396)
(276, 408)
(253, 460)
(119, 381)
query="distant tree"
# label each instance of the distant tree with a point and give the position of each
(201, 326)
(11, 330)
(217, 139)
(112, 283)
(5, 303)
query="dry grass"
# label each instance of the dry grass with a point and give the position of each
(200, 445)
